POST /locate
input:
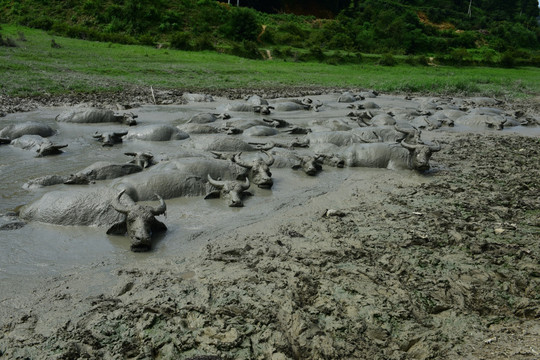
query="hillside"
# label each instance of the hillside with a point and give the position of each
(452, 31)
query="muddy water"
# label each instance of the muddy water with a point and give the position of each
(50, 249)
(192, 222)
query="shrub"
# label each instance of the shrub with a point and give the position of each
(316, 53)
(508, 60)
(9, 42)
(460, 57)
(203, 42)
(147, 39)
(242, 25)
(387, 60)
(180, 41)
(246, 49)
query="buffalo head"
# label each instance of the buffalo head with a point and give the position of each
(232, 191)
(411, 135)
(331, 160)
(259, 170)
(143, 159)
(420, 154)
(127, 118)
(48, 148)
(77, 179)
(263, 109)
(311, 165)
(497, 123)
(110, 138)
(140, 222)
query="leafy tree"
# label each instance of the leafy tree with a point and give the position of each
(242, 25)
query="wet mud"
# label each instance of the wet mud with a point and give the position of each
(354, 263)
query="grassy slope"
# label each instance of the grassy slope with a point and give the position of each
(35, 68)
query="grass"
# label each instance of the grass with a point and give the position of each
(35, 68)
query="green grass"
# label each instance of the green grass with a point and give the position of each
(35, 68)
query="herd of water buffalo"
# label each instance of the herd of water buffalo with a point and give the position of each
(223, 152)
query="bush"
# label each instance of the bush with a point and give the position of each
(283, 53)
(508, 60)
(147, 39)
(180, 41)
(246, 49)
(9, 42)
(203, 42)
(387, 60)
(460, 57)
(242, 25)
(316, 53)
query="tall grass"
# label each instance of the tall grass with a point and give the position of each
(34, 68)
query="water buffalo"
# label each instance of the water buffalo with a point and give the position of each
(157, 132)
(231, 190)
(309, 163)
(102, 170)
(110, 138)
(197, 97)
(260, 131)
(348, 97)
(14, 131)
(295, 105)
(384, 155)
(246, 107)
(492, 121)
(205, 118)
(178, 178)
(99, 206)
(46, 180)
(259, 169)
(223, 143)
(256, 100)
(41, 146)
(199, 128)
(94, 115)
(142, 159)
(140, 222)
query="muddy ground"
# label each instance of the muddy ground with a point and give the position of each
(444, 265)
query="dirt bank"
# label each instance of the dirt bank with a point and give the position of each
(433, 266)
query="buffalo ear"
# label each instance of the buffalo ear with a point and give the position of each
(120, 228)
(158, 226)
(212, 195)
(247, 193)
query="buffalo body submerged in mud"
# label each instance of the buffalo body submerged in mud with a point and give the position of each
(98, 207)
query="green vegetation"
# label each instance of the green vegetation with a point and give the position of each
(494, 32)
(34, 67)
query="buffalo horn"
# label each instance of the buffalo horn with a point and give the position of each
(216, 183)
(97, 136)
(120, 134)
(117, 206)
(245, 185)
(408, 146)
(270, 160)
(435, 148)
(60, 146)
(404, 131)
(161, 208)
(241, 162)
